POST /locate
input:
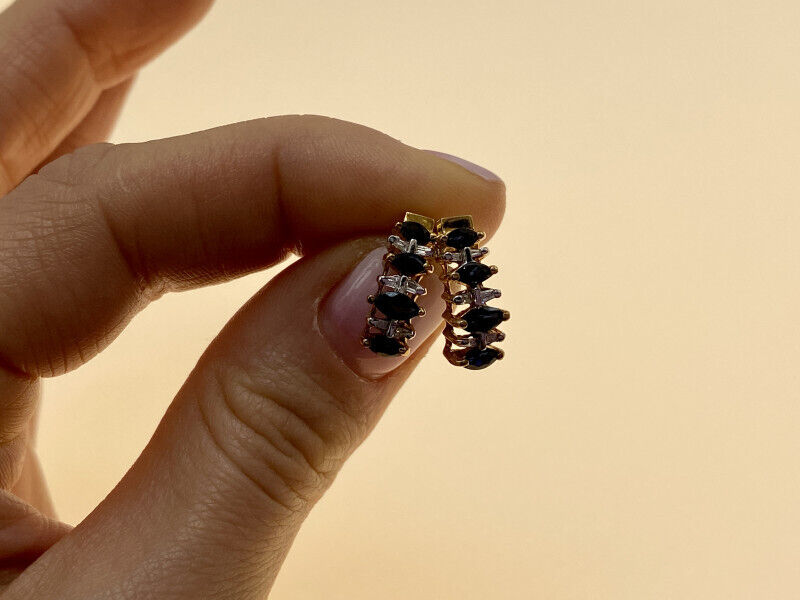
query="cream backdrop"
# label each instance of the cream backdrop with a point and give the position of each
(641, 439)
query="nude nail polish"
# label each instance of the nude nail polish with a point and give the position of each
(344, 312)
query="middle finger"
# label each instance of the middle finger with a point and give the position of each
(57, 56)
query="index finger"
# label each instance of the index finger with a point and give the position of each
(87, 242)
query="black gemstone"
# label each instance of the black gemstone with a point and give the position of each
(385, 345)
(409, 264)
(483, 318)
(473, 273)
(411, 230)
(397, 306)
(461, 238)
(480, 359)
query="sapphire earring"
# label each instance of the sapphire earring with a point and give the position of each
(417, 246)
(389, 326)
(463, 273)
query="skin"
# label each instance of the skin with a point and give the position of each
(90, 233)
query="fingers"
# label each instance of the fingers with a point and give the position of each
(278, 402)
(94, 236)
(25, 534)
(19, 394)
(251, 442)
(30, 487)
(57, 57)
(98, 124)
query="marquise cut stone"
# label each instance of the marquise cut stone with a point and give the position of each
(409, 264)
(461, 238)
(397, 306)
(480, 359)
(411, 230)
(473, 273)
(483, 318)
(382, 344)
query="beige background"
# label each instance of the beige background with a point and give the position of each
(641, 440)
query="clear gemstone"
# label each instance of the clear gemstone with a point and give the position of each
(476, 296)
(480, 339)
(392, 329)
(402, 284)
(465, 255)
(412, 247)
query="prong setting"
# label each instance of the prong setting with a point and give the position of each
(394, 306)
(419, 246)
(459, 259)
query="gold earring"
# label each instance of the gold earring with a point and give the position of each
(463, 274)
(389, 326)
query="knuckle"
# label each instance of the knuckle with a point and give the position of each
(74, 192)
(53, 232)
(46, 210)
(290, 443)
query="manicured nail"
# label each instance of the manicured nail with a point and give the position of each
(469, 166)
(343, 317)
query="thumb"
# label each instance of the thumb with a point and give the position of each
(253, 439)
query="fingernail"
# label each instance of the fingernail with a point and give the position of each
(343, 317)
(469, 166)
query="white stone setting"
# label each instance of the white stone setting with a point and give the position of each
(392, 329)
(411, 247)
(403, 284)
(480, 339)
(466, 255)
(476, 296)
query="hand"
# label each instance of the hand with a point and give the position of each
(282, 396)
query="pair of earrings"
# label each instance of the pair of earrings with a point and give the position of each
(419, 246)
